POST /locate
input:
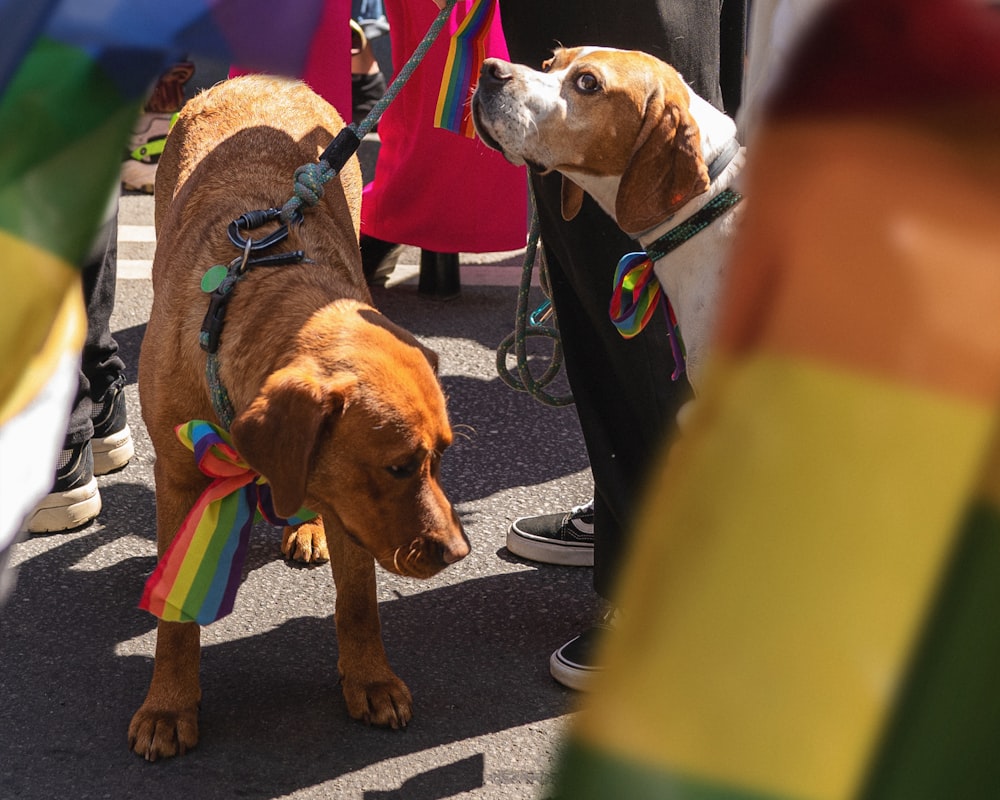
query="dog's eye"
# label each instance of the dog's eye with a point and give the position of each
(586, 82)
(407, 470)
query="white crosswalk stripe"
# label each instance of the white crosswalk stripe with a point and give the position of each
(137, 244)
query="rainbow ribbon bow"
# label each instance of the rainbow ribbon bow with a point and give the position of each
(636, 294)
(466, 54)
(197, 578)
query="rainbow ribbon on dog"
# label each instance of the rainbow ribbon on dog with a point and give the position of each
(197, 578)
(634, 299)
(466, 54)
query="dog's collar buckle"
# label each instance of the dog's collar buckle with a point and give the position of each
(723, 160)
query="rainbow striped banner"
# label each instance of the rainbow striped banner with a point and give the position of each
(75, 74)
(197, 577)
(466, 54)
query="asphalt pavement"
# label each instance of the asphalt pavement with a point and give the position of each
(472, 643)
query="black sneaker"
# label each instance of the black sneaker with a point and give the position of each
(573, 664)
(566, 538)
(112, 442)
(75, 500)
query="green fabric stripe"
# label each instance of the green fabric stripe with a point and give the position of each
(55, 181)
(944, 738)
(586, 773)
(232, 514)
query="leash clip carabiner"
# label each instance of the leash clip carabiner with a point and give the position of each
(254, 219)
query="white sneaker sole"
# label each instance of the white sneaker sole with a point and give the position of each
(572, 676)
(67, 510)
(564, 554)
(112, 452)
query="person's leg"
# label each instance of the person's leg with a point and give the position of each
(103, 371)
(151, 128)
(625, 398)
(97, 419)
(624, 395)
(368, 83)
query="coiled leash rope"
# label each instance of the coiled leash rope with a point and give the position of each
(526, 326)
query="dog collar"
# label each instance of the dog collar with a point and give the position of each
(636, 292)
(723, 159)
(693, 225)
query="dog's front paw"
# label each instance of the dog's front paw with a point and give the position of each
(161, 733)
(385, 702)
(306, 543)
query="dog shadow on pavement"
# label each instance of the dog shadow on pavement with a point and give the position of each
(273, 719)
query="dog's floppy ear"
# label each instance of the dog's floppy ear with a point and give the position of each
(278, 433)
(572, 199)
(432, 358)
(667, 168)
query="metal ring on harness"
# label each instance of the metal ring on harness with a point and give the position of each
(254, 219)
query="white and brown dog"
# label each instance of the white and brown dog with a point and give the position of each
(623, 126)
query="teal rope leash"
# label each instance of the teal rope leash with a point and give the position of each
(525, 327)
(310, 179)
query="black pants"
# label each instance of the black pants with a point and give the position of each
(100, 365)
(624, 395)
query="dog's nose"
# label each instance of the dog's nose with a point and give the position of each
(494, 72)
(456, 548)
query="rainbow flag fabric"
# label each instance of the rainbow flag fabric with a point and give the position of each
(811, 609)
(197, 577)
(466, 54)
(73, 78)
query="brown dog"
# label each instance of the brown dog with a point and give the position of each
(339, 409)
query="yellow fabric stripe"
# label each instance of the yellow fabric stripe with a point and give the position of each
(41, 318)
(785, 591)
(200, 539)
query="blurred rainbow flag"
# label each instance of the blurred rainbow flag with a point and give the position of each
(73, 77)
(466, 53)
(812, 606)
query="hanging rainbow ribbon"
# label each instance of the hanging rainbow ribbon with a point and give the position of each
(466, 54)
(634, 299)
(197, 578)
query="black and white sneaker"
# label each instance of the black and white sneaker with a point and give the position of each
(112, 442)
(74, 500)
(574, 664)
(566, 538)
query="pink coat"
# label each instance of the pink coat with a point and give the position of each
(433, 188)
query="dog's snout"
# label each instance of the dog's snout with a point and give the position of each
(494, 72)
(455, 550)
